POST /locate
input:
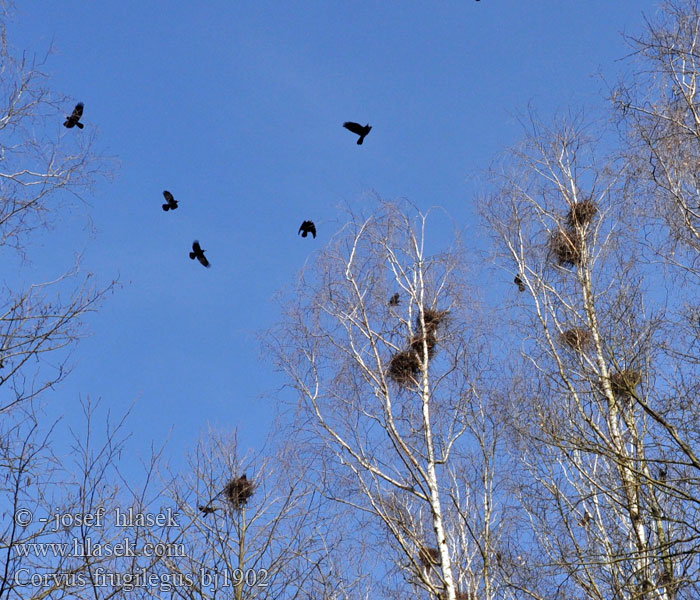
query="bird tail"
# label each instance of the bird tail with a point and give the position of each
(192, 255)
(80, 125)
(166, 207)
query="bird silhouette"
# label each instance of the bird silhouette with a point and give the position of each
(306, 228)
(171, 203)
(394, 300)
(358, 129)
(74, 119)
(519, 282)
(198, 253)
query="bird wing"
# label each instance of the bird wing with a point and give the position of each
(203, 259)
(78, 110)
(196, 247)
(312, 229)
(301, 227)
(354, 127)
(168, 197)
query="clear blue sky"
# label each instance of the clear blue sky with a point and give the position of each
(236, 108)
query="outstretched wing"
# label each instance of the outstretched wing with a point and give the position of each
(203, 259)
(168, 197)
(78, 111)
(354, 127)
(312, 229)
(301, 227)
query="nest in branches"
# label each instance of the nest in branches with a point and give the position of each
(566, 246)
(581, 213)
(417, 344)
(577, 338)
(429, 557)
(624, 383)
(404, 367)
(238, 491)
(432, 319)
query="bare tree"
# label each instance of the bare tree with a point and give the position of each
(61, 536)
(392, 373)
(610, 511)
(42, 167)
(55, 509)
(247, 528)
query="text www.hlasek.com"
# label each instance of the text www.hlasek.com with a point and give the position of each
(86, 547)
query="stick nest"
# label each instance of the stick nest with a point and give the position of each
(581, 213)
(577, 338)
(417, 344)
(238, 491)
(566, 246)
(404, 367)
(432, 319)
(625, 383)
(429, 556)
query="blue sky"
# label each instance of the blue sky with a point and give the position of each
(236, 108)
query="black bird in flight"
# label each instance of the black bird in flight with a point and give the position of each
(358, 129)
(394, 300)
(74, 119)
(171, 203)
(306, 228)
(519, 282)
(198, 253)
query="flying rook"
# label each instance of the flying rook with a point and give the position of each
(170, 202)
(358, 129)
(198, 253)
(74, 119)
(307, 227)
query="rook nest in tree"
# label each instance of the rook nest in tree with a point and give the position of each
(432, 319)
(429, 556)
(238, 491)
(581, 213)
(417, 344)
(404, 367)
(577, 338)
(566, 246)
(625, 383)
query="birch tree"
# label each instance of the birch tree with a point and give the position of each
(384, 344)
(605, 483)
